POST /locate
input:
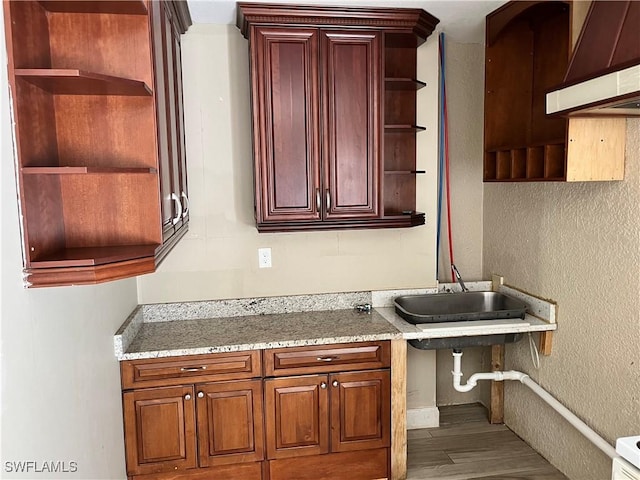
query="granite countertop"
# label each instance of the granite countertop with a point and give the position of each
(190, 337)
(191, 328)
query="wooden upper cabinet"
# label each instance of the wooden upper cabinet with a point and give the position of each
(527, 53)
(286, 142)
(351, 63)
(85, 80)
(318, 93)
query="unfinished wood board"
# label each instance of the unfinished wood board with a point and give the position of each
(596, 149)
(496, 415)
(546, 343)
(398, 409)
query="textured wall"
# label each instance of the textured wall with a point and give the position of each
(578, 244)
(61, 399)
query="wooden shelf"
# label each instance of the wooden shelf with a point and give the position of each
(403, 128)
(136, 7)
(85, 170)
(390, 220)
(526, 163)
(90, 256)
(80, 82)
(403, 84)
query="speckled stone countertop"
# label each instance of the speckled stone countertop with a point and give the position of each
(191, 328)
(190, 337)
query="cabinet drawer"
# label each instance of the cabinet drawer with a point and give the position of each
(190, 368)
(326, 358)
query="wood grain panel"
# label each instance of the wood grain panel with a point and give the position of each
(244, 471)
(364, 465)
(29, 21)
(352, 123)
(508, 76)
(230, 422)
(326, 358)
(43, 209)
(285, 89)
(89, 221)
(158, 35)
(551, 37)
(360, 410)
(155, 372)
(296, 416)
(95, 130)
(398, 451)
(35, 116)
(124, 44)
(159, 429)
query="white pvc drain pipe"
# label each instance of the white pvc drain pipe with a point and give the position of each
(582, 427)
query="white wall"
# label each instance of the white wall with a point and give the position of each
(60, 379)
(578, 244)
(218, 257)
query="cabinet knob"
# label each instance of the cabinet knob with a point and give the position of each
(187, 397)
(328, 200)
(323, 385)
(318, 204)
(185, 210)
(335, 383)
(200, 394)
(178, 216)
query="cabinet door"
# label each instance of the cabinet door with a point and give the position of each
(297, 416)
(167, 117)
(352, 92)
(230, 422)
(285, 109)
(360, 410)
(160, 430)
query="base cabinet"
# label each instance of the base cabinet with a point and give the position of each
(209, 425)
(319, 412)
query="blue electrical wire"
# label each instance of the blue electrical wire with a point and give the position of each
(440, 146)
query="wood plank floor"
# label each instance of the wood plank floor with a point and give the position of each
(466, 447)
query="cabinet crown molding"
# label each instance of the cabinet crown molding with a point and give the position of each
(414, 21)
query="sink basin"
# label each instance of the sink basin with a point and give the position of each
(458, 307)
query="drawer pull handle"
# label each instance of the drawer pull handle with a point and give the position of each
(326, 359)
(193, 369)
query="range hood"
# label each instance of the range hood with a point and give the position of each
(603, 77)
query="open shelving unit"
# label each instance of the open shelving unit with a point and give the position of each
(88, 187)
(527, 52)
(400, 129)
(527, 55)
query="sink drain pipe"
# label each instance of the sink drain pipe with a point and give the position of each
(582, 427)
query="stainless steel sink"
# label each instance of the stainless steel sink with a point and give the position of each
(458, 307)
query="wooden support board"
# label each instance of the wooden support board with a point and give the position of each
(496, 412)
(398, 409)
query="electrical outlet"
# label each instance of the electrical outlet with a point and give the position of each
(264, 257)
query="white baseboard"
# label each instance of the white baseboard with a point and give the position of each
(425, 417)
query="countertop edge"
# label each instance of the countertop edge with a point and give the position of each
(259, 346)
